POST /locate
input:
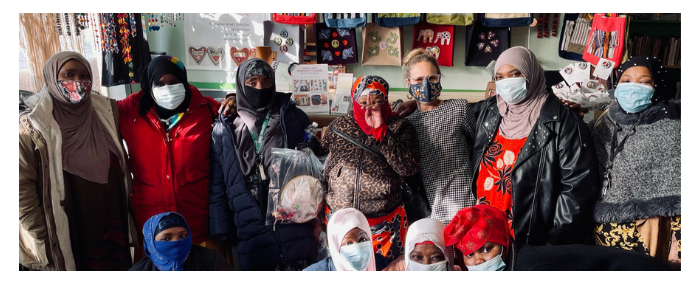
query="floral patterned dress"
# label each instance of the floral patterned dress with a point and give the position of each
(494, 184)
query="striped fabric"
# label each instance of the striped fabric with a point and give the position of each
(341, 16)
(446, 136)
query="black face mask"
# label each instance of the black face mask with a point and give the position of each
(259, 98)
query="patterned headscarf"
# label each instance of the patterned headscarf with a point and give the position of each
(371, 85)
(472, 227)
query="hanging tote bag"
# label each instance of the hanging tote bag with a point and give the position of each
(606, 39)
(436, 39)
(507, 19)
(485, 44)
(294, 18)
(450, 18)
(382, 46)
(335, 45)
(345, 20)
(397, 19)
(575, 28)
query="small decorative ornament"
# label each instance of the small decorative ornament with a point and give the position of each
(382, 45)
(284, 33)
(335, 43)
(348, 53)
(327, 55)
(290, 41)
(215, 54)
(274, 65)
(239, 55)
(283, 49)
(278, 41)
(373, 51)
(342, 32)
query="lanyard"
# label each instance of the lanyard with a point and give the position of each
(257, 140)
(614, 150)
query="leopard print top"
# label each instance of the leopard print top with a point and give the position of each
(358, 179)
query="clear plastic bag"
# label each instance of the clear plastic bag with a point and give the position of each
(296, 186)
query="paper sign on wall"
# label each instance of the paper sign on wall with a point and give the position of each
(310, 87)
(221, 41)
(341, 99)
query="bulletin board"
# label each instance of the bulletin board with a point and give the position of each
(221, 41)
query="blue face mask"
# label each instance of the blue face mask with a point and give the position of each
(494, 264)
(171, 254)
(426, 91)
(633, 97)
(512, 90)
(358, 255)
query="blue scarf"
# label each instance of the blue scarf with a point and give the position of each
(166, 255)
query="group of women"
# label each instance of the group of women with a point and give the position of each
(506, 178)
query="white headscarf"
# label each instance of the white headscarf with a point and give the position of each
(341, 222)
(426, 229)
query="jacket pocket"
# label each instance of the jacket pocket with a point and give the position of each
(32, 251)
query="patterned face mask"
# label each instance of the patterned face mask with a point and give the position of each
(74, 90)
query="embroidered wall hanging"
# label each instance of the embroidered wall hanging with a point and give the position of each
(437, 39)
(485, 44)
(382, 46)
(284, 40)
(335, 45)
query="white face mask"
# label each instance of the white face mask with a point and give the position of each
(512, 90)
(494, 264)
(417, 266)
(357, 255)
(169, 96)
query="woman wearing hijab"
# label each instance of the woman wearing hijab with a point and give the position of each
(167, 127)
(371, 149)
(426, 246)
(73, 175)
(349, 244)
(168, 247)
(240, 153)
(533, 157)
(638, 142)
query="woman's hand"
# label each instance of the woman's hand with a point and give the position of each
(574, 106)
(405, 108)
(373, 117)
(228, 106)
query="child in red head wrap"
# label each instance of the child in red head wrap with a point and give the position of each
(481, 234)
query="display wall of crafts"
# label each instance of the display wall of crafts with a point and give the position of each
(383, 45)
(215, 54)
(157, 20)
(427, 35)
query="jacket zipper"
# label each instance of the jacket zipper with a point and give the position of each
(534, 197)
(356, 203)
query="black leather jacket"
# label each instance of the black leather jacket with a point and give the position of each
(555, 177)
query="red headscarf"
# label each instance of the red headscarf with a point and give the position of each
(371, 84)
(472, 227)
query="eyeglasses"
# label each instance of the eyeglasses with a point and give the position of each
(433, 78)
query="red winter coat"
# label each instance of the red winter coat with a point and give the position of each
(171, 169)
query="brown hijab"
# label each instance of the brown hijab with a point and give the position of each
(519, 119)
(86, 141)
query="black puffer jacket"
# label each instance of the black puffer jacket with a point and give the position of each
(555, 177)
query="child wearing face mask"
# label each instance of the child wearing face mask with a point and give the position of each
(350, 244)
(426, 247)
(168, 247)
(481, 234)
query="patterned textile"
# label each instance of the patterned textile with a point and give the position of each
(388, 232)
(446, 136)
(620, 235)
(676, 229)
(495, 171)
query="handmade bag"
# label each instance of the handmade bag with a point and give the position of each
(382, 46)
(574, 31)
(506, 19)
(485, 44)
(606, 39)
(335, 45)
(345, 20)
(294, 18)
(397, 19)
(450, 18)
(413, 196)
(285, 41)
(436, 39)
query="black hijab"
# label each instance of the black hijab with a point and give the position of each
(158, 67)
(252, 117)
(662, 105)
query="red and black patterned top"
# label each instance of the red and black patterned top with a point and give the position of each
(494, 185)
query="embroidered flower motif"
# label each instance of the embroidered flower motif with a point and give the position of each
(487, 42)
(373, 51)
(488, 184)
(374, 36)
(508, 157)
(392, 38)
(393, 51)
